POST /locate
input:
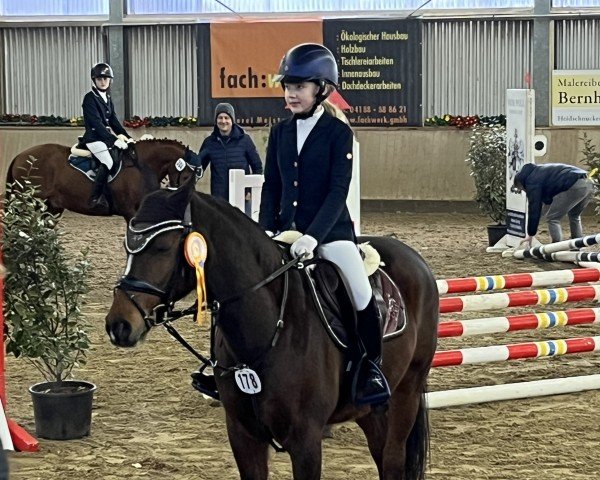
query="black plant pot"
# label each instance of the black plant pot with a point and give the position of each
(495, 234)
(62, 411)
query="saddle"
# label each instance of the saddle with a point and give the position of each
(332, 299)
(335, 308)
(84, 161)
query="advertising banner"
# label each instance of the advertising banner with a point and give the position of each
(379, 63)
(244, 58)
(380, 69)
(576, 97)
(520, 125)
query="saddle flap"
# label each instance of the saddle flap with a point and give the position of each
(332, 301)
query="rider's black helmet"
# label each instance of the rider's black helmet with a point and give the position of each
(308, 62)
(102, 70)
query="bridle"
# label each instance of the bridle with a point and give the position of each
(136, 240)
(197, 170)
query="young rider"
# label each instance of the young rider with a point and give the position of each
(102, 128)
(307, 177)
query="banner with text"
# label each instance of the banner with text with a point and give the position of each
(244, 58)
(380, 69)
(576, 97)
(379, 64)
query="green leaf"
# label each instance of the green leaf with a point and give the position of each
(44, 285)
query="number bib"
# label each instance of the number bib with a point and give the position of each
(248, 381)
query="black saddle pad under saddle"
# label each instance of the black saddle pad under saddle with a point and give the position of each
(89, 165)
(335, 307)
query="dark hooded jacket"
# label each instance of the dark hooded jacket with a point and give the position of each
(542, 183)
(236, 151)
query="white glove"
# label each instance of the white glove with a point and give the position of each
(304, 247)
(130, 140)
(121, 144)
(269, 233)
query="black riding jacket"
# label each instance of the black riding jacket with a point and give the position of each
(307, 192)
(98, 117)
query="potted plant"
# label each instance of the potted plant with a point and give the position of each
(44, 290)
(591, 159)
(487, 160)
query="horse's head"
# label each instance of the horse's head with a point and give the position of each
(184, 168)
(163, 155)
(157, 273)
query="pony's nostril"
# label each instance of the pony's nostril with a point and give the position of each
(119, 332)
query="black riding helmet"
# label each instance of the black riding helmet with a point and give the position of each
(309, 62)
(102, 70)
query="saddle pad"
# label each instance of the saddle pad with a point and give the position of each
(391, 304)
(87, 165)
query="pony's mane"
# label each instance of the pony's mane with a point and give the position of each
(168, 141)
(224, 207)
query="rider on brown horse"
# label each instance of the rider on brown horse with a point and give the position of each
(307, 177)
(102, 128)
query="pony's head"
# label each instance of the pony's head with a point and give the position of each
(184, 168)
(167, 157)
(157, 273)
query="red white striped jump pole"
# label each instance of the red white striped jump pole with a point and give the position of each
(528, 321)
(493, 301)
(518, 280)
(499, 353)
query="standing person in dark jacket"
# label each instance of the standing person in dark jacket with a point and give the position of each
(565, 188)
(102, 128)
(307, 177)
(227, 148)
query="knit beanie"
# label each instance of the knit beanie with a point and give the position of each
(225, 108)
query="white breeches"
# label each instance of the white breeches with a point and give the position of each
(346, 256)
(100, 151)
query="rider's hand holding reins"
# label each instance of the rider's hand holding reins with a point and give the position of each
(121, 144)
(304, 246)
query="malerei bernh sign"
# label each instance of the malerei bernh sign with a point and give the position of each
(576, 97)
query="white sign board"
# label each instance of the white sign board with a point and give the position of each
(520, 129)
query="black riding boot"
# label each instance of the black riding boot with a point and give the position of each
(97, 199)
(371, 386)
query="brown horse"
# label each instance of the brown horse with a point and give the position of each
(300, 368)
(65, 188)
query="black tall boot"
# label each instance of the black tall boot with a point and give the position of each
(98, 199)
(371, 387)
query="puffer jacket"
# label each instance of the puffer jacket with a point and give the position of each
(542, 183)
(225, 153)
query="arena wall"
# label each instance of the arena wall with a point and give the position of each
(420, 169)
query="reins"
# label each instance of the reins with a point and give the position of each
(215, 309)
(164, 314)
